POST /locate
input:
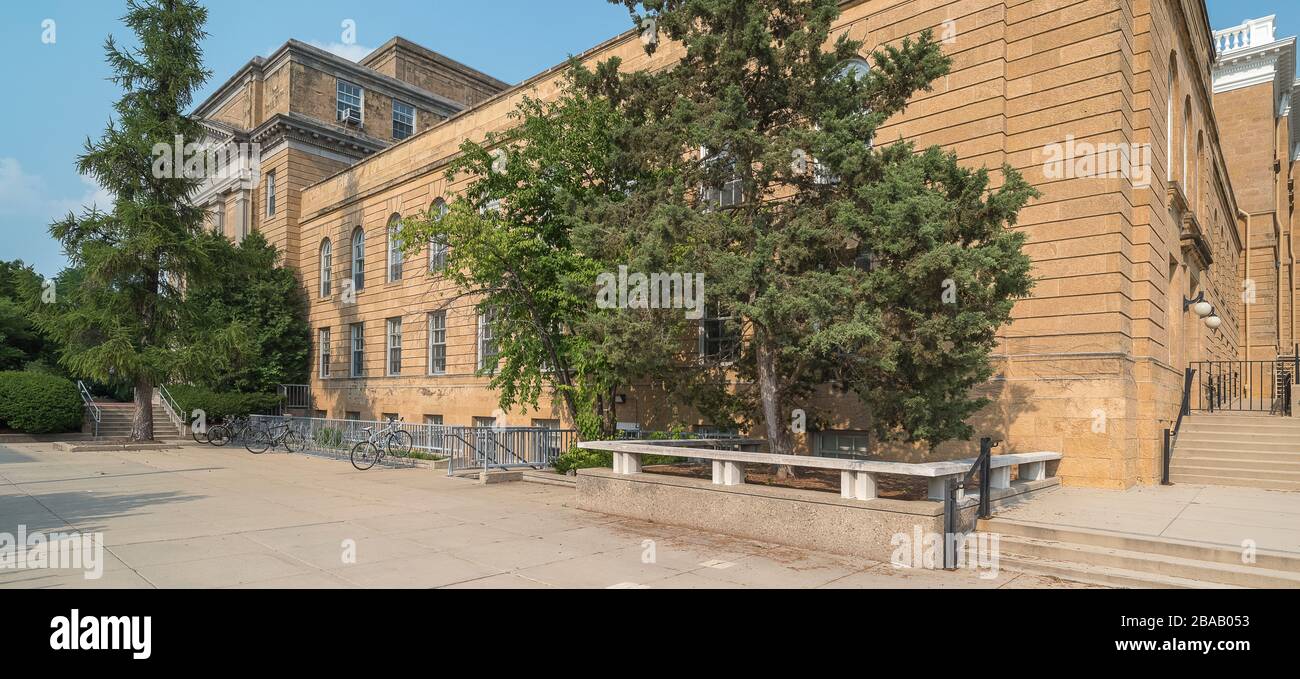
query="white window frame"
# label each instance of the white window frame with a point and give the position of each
(357, 357)
(323, 340)
(396, 121)
(326, 268)
(358, 259)
(730, 194)
(437, 342)
(705, 340)
(486, 337)
(270, 193)
(393, 351)
(395, 258)
(437, 245)
(340, 105)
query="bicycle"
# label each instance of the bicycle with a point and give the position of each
(395, 441)
(236, 429)
(273, 437)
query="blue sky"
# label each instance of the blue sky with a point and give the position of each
(66, 97)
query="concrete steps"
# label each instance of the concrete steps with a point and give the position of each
(1134, 561)
(115, 422)
(1238, 449)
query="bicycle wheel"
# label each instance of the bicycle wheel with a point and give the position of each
(293, 442)
(259, 443)
(219, 435)
(201, 436)
(365, 455)
(399, 443)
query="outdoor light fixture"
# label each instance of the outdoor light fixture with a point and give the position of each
(1213, 321)
(1199, 305)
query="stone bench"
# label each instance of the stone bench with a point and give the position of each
(857, 477)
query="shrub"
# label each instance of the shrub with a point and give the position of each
(581, 458)
(220, 405)
(39, 403)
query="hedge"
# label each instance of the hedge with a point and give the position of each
(39, 403)
(219, 405)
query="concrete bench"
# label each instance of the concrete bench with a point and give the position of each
(857, 477)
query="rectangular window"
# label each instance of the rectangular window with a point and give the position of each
(729, 194)
(437, 254)
(719, 335)
(438, 343)
(435, 420)
(350, 102)
(485, 422)
(389, 416)
(394, 346)
(219, 218)
(845, 444)
(324, 352)
(358, 349)
(270, 193)
(487, 343)
(352, 415)
(403, 120)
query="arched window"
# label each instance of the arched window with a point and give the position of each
(1196, 178)
(358, 260)
(437, 245)
(326, 264)
(394, 248)
(1187, 131)
(858, 68)
(1170, 98)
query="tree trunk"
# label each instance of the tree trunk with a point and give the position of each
(142, 424)
(775, 418)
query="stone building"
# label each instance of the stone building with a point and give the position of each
(1107, 107)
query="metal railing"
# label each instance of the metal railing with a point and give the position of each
(951, 508)
(296, 396)
(173, 410)
(1243, 386)
(1171, 436)
(93, 408)
(462, 447)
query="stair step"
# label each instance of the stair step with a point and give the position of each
(1204, 479)
(1239, 471)
(1106, 576)
(1160, 546)
(1186, 459)
(1239, 575)
(1202, 449)
(1240, 442)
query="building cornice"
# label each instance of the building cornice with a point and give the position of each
(296, 126)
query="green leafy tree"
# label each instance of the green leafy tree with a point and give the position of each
(21, 343)
(509, 244)
(881, 268)
(249, 295)
(123, 320)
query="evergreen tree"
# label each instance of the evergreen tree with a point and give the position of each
(882, 268)
(123, 320)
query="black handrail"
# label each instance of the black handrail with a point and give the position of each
(1170, 438)
(984, 466)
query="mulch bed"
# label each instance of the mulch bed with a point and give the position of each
(893, 487)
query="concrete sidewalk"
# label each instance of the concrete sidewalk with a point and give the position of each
(204, 517)
(1219, 515)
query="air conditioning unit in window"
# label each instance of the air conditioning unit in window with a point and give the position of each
(350, 116)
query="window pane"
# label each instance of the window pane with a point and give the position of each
(394, 250)
(358, 260)
(403, 120)
(438, 342)
(324, 344)
(358, 348)
(394, 346)
(349, 99)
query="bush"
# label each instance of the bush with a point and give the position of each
(581, 458)
(221, 405)
(39, 403)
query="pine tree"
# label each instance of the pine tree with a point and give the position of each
(881, 268)
(122, 321)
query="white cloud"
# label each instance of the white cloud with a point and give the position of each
(27, 195)
(351, 52)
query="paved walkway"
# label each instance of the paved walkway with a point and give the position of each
(1224, 515)
(205, 517)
